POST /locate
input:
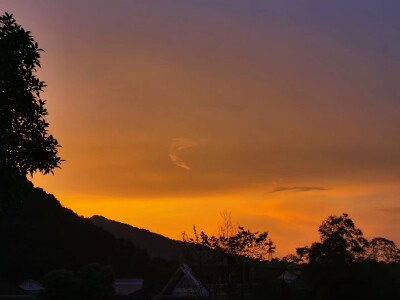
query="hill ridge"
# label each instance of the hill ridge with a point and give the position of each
(155, 244)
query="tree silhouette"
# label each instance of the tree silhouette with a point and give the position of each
(25, 144)
(241, 243)
(341, 242)
(345, 265)
(382, 250)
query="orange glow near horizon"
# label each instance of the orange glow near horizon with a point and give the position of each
(292, 219)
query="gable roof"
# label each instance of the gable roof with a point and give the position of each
(184, 281)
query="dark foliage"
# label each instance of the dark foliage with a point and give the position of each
(243, 243)
(25, 143)
(234, 263)
(92, 282)
(38, 235)
(360, 280)
(342, 243)
(60, 284)
(381, 250)
(345, 265)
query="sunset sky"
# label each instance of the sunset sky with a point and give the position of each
(169, 112)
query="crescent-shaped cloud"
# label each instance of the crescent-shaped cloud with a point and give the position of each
(177, 145)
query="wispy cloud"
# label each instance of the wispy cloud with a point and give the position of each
(390, 210)
(298, 189)
(177, 145)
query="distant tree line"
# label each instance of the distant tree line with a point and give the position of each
(343, 265)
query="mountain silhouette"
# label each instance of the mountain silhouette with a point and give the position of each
(156, 245)
(38, 234)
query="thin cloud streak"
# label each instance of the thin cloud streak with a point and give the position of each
(390, 210)
(299, 189)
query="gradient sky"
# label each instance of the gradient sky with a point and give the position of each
(169, 112)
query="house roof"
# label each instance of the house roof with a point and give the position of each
(184, 272)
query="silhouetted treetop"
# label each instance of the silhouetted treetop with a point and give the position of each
(342, 242)
(25, 143)
(382, 250)
(243, 243)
